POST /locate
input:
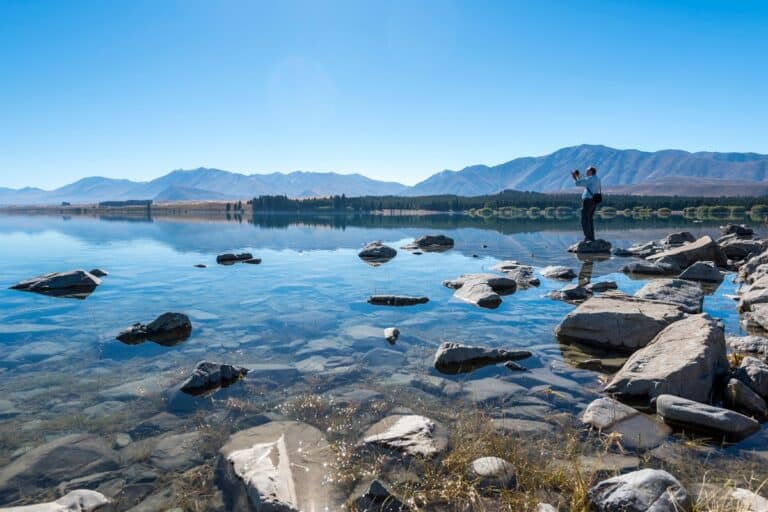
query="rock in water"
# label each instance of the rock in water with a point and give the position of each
(377, 252)
(168, 329)
(411, 434)
(208, 376)
(281, 466)
(684, 359)
(229, 258)
(479, 293)
(738, 249)
(569, 293)
(522, 274)
(76, 284)
(646, 490)
(680, 258)
(252, 261)
(740, 397)
(391, 334)
(617, 321)
(558, 272)
(705, 271)
(452, 358)
(598, 246)
(378, 499)
(705, 418)
(396, 300)
(677, 239)
(98, 272)
(433, 243)
(686, 295)
(79, 500)
(738, 230)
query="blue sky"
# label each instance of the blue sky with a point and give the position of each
(395, 90)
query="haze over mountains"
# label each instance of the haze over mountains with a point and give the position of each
(668, 172)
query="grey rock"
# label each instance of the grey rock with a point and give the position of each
(740, 397)
(75, 284)
(737, 229)
(515, 367)
(598, 246)
(680, 411)
(391, 334)
(544, 507)
(637, 430)
(602, 286)
(684, 359)
(281, 466)
(754, 373)
(98, 272)
(622, 253)
(570, 293)
(411, 434)
(738, 249)
(680, 258)
(748, 501)
(604, 412)
(617, 321)
(705, 271)
(645, 250)
(208, 376)
(433, 242)
(168, 329)
(396, 300)
(645, 268)
(492, 472)
(752, 264)
(378, 252)
(749, 344)
(79, 500)
(200, 265)
(645, 490)
(452, 358)
(558, 272)
(500, 284)
(378, 499)
(677, 239)
(686, 295)
(230, 258)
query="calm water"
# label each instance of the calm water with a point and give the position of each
(300, 318)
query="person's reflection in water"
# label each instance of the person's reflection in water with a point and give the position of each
(585, 274)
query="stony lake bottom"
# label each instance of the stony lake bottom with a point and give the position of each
(316, 350)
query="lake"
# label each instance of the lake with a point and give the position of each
(301, 322)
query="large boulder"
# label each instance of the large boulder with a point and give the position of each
(432, 243)
(79, 500)
(452, 358)
(754, 373)
(377, 252)
(281, 466)
(62, 459)
(686, 295)
(701, 417)
(682, 257)
(598, 246)
(408, 433)
(645, 490)
(704, 271)
(75, 283)
(167, 329)
(684, 359)
(738, 249)
(208, 376)
(617, 321)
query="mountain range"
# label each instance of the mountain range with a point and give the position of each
(667, 172)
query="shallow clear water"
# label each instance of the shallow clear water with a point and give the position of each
(300, 316)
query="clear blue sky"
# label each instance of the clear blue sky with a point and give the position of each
(396, 90)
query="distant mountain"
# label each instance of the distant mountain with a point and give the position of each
(701, 187)
(616, 167)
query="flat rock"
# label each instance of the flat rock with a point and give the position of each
(705, 418)
(208, 376)
(492, 472)
(602, 286)
(280, 466)
(752, 264)
(645, 490)
(377, 252)
(75, 284)
(79, 500)
(617, 321)
(167, 329)
(558, 272)
(411, 434)
(645, 268)
(598, 246)
(740, 397)
(685, 359)
(704, 271)
(523, 275)
(603, 412)
(680, 258)
(452, 358)
(754, 373)
(686, 295)
(396, 300)
(378, 499)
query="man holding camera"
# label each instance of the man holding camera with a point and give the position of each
(590, 198)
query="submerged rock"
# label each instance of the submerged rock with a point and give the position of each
(686, 295)
(279, 466)
(680, 258)
(617, 321)
(645, 490)
(411, 434)
(684, 359)
(598, 246)
(558, 272)
(79, 500)
(377, 252)
(76, 284)
(378, 499)
(705, 271)
(396, 300)
(391, 334)
(208, 376)
(452, 358)
(168, 329)
(252, 261)
(705, 418)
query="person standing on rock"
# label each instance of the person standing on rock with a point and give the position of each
(590, 198)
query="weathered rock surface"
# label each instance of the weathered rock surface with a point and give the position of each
(705, 271)
(79, 500)
(704, 418)
(684, 359)
(617, 321)
(754, 373)
(230, 258)
(645, 490)
(483, 290)
(411, 434)
(558, 272)
(167, 329)
(62, 459)
(75, 284)
(376, 251)
(646, 268)
(686, 295)
(644, 250)
(208, 376)
(452, 358)
(680, 258)
(598, 246)
(396, 300)
(739, 249)
(492, 472)
(523, 275)
(281, 466)
(378, 499)
(677, 239)
(391, 334)
(740, 397)
(431, 243)
(752, 264)
(748, 344)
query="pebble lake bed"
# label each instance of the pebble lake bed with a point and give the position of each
(301, 374)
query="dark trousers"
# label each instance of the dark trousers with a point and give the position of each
(588, 208)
